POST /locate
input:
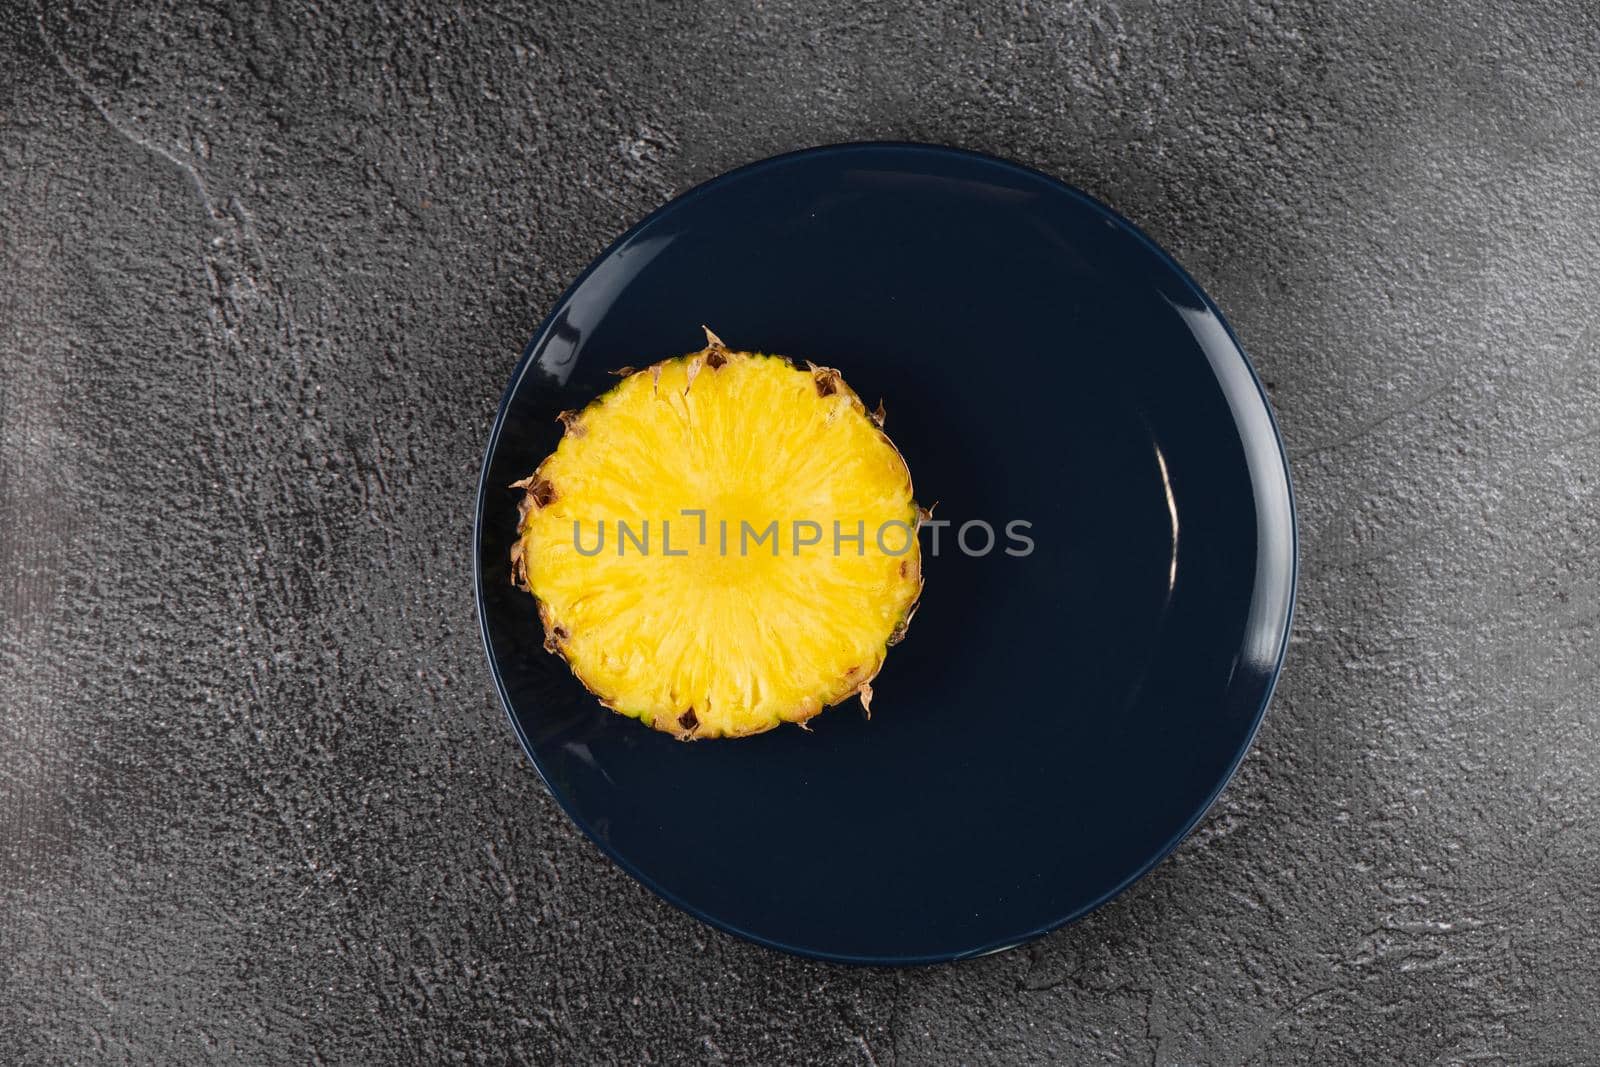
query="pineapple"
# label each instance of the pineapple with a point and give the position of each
(722, 543)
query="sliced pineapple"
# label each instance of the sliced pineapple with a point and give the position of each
(722, 543)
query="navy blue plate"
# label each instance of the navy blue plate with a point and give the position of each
(1055, 721)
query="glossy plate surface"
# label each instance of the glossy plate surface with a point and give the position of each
(1055, 722)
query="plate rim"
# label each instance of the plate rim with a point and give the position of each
(912, 148)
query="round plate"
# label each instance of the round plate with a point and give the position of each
(1058, 717)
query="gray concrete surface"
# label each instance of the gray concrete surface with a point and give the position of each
(264, 270)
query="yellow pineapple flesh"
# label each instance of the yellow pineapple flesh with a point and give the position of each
(723, 542)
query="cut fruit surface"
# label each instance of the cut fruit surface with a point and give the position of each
(722, 543)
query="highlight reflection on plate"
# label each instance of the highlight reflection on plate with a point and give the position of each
(1057, 719)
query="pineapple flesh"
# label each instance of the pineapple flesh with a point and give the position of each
(722, 543)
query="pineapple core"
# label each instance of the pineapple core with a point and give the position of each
(722, 543)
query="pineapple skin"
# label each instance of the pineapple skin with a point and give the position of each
(702, 647)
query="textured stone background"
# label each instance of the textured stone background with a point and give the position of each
(263, 274)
